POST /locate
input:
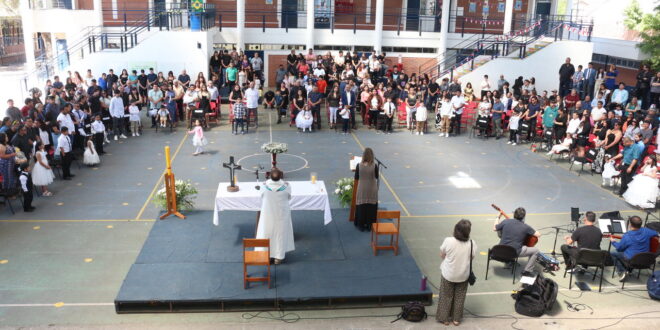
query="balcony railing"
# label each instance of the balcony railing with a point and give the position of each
(60, 4)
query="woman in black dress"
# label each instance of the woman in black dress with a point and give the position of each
(298, 105)
(366, 201)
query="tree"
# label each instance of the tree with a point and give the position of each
(648, 26)
(10, 6)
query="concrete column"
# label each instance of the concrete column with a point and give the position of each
(240, 25)
(309, 39)
(98, 9)
(444, 27)
(378, 33)
(508, 16)
(27, 19)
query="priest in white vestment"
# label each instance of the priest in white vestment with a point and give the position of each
(275, 219)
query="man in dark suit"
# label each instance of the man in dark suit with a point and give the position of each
(348, 98)
(566, 72)
(589, 78)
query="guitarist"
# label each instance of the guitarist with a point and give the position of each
(514, 233)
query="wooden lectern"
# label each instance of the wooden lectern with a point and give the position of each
(170, 189)
(352, 164)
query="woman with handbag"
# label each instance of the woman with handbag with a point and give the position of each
(457, 253)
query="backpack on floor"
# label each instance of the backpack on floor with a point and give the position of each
(412, 311)
(653, 285)
(536, 299)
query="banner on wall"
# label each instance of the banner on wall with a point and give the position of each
(322, 11)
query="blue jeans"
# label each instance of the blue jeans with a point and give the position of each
(617, 259)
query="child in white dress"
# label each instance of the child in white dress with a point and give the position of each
(42, 174)
(304, 120)
(643, 190)
(198, 140)
(90, 157)
(134, 117)
(609, 171)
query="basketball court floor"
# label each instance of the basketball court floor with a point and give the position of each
(63, 264)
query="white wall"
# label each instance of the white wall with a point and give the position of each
(164, 51)
(69, 22)
(542, 65)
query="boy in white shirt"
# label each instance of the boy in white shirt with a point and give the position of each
(514, 121)
(98, 133)
(445, 110)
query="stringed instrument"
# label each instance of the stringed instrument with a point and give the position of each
(530, 241)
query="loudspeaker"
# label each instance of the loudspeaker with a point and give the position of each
(613, 215)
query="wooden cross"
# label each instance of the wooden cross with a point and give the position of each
(232, 179)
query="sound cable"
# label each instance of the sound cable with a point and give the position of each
(578, 307)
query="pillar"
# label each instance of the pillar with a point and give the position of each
(98, 9)
(444, 27)
(28, 35)
(508, 16)
(240, 25)
(378, 42)
(309, 40)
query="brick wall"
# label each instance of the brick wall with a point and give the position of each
(135, 10)
(410, 64)
(494, 14)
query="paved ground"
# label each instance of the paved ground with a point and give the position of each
(62, 265)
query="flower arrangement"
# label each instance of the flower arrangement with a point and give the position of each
(185, 193)
(274, 148)
(344, 191)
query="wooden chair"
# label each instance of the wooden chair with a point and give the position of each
(255, 258)
(386, 228)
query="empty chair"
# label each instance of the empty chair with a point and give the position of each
(503, 253)
(256, 258)
(590, 258)
(386, 228)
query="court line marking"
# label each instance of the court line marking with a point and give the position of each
(403, 207)
(78, 220)
(160, 179)
(495, 215)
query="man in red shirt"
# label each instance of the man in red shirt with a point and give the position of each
(571, 99)
(322, 85)
(25, 110)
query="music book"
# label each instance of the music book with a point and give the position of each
(353, 163)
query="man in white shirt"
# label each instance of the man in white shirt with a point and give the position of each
(485, 86)
(65, 145)
(213, 91)
(257, 65)
(457, 103)
(619, 96)
(117, 114)
(339, 59)
(64, 119)
(598, 112)
(319, 71)
(388, 109)
(155, 98)
(252, 100)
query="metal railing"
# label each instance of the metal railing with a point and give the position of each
(514, 45)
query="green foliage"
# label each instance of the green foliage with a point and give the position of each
(185, 193)
(648, 26)
(633, 16)
(344, 191)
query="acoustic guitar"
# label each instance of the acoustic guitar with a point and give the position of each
(530, 241)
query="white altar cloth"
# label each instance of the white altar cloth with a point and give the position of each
(304, 196)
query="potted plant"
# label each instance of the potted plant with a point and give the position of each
(344, 191)
(185, 193)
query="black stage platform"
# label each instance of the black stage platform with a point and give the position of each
(192, 266)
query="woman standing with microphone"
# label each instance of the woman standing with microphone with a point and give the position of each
(457, 253)
(366, 202)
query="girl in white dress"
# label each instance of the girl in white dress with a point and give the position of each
(198, 140)
(42, 175)
(90, 157)
(643, 190)
(304, 119)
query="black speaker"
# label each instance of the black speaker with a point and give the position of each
(613, 215)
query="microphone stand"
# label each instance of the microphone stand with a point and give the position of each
(554, 245)
(379, 164)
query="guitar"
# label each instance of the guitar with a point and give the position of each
(530, 241)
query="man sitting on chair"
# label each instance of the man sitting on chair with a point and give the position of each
(514, 233)
(275, 218)
(635, 240)
(587, 237)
